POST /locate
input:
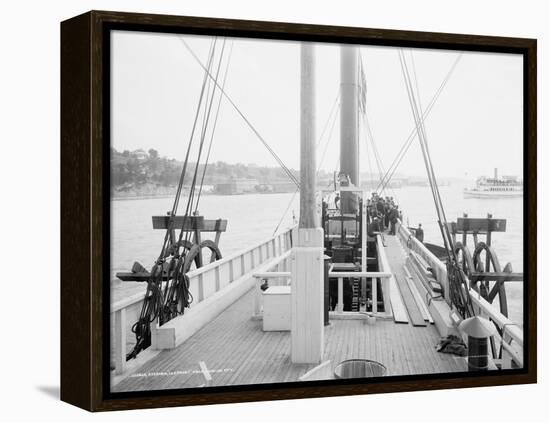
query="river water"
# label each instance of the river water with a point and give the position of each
(253, 218)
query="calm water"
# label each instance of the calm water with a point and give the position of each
(253, 218)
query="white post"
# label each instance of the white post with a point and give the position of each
(307, 289)
(307, 337)
(340, 304)
(120, 340)
(374, 291)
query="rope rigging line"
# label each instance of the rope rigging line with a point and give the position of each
(371, 168)
(329, 138)
(206, 119)
(216, 119)
(413, 133)
(370, 136)
(332, 110)
(176, 293)
(207, 108)
(362, 105)
(376, 154)
(423, 145)
(159, 303)
(246, 120)
(458, 283)
(326, 125)
(183, 173)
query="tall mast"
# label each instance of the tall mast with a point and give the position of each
(308, 213)
(349, 89)
(307, 275)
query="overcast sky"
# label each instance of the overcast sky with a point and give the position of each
(476, 124)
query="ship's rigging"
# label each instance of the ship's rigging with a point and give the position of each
(168, 293)
(458, 282)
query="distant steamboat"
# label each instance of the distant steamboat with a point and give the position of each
(504, 187)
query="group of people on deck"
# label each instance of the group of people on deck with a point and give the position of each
(382, 213)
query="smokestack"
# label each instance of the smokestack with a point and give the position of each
(349, 89)
(496, 173)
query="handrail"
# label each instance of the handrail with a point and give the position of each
(233, 256)
(119, 308)
(271, 275)
(510, 330)
(126, 302)
(427, 255)
(331, 273)
(381, 275)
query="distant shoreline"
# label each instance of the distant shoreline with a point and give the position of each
(140, 197)
(158, 196)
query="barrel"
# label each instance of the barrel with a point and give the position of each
(359, 368)
(478, 354)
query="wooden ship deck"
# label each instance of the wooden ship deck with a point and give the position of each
(234, 350)
(385, 298)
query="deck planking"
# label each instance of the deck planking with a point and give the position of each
(397, 260)
(236, 351)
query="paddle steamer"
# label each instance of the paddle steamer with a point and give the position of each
(495, 187)
(337, 296)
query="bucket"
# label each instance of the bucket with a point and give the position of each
(359, 368)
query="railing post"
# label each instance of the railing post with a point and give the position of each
(262, 253)
(374, 291)
(217, 275)
(257, 297)
(120, 340)
(201, 288)
(340, 305)
(507, 359)
(274, 247)
(231, 274)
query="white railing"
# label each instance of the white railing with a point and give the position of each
(203, 283)
(512, 334)
(282, 276)
(413, 244)
(373, 276)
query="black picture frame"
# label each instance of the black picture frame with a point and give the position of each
(85, 214)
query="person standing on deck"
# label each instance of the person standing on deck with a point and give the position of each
(419, 233)
(393, 220)
(380, 208)
(387, 214)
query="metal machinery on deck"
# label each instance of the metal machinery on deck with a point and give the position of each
(344, 222)
(483, 268)
(168, 292)
(193, 250)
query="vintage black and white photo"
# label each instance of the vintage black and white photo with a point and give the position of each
(286, 211)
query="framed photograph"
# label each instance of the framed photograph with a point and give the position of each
(255, 211)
